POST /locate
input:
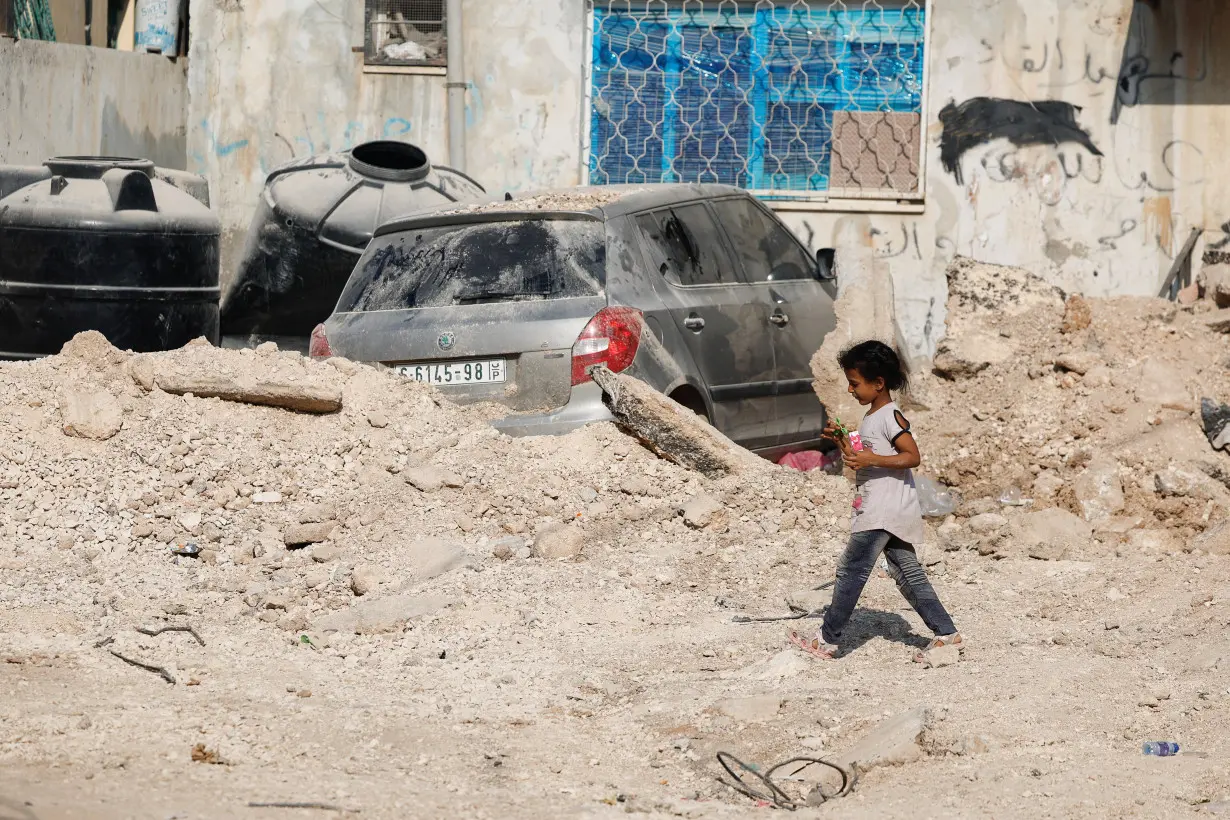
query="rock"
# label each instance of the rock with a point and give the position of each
(965, 358)
(986, 523)
(1098, 489)
(1176, 482)
(300, 535)
(143, 529)
(1077, 315)
(701, 511)
(1098, 376)
(1215, 540)
(1047, 485)
(1215, 419)
(635, 485)
(1078, 362)
(191, 522)
(970, 745)
(1154, 541)
(1214, 281)
(325, 553)
(809, 600)
(506, 548)
(895, 741)
(431, 479)
(378, 420)
(1159, 384)
(316, 577)
(366, 578)
(380, 615)
(1218, 322)
(434, 556)
(317, 514)
(90, 413)
(785, 664)
(1210, 658)
(751, 710)
(559, 541)
(941, 656)
(267, 497)
(671, 430)
(1053, 534)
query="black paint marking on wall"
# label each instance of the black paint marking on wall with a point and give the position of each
(980, 120)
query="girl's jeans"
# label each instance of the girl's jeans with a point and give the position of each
(855, 568)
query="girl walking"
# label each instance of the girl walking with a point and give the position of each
(887, 517)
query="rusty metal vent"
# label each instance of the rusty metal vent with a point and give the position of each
(405, 32)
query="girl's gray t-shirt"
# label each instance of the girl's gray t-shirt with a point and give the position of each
(886, 499)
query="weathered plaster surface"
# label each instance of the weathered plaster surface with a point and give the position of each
(273, 79)
(60, 99)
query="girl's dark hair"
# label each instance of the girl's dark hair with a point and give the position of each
(875, 360)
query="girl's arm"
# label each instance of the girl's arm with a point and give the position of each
(907, 456)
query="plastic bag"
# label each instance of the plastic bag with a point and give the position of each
(936, 500)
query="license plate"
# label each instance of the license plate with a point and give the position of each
(487, 371)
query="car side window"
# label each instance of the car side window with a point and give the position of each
(685, 246)
(766, 249)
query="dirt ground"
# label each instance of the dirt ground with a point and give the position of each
(412, 653)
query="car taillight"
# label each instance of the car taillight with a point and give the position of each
(611, 338)
(319, 347)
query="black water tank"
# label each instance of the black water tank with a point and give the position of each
(108, 244)
(315, 217)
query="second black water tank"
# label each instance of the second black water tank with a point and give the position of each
(313, 221)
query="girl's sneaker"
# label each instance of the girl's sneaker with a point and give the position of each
(814, 646)
(940, 641)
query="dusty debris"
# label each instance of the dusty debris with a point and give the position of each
(560, 541)
(671, 430)
(380, 615)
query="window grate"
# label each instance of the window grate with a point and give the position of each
(405, 32)
(785, 97)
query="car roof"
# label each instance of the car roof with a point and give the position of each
(597, 202)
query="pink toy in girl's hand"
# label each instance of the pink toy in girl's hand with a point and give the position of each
(856, 442)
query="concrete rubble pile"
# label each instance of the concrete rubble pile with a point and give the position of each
(115, 462)
(1070, 427)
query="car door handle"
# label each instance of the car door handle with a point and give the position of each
(780, 319)
(694, 322)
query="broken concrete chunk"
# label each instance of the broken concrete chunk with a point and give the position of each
(559, 541)
(1078, 362)
(1099, 490)
(435, 556)
(432, 479)
(1214, 280)
(1054, 534)
(987, 523)
(1077, 315)
(1160, 385)
(317, 513)
(1215, 540)
(751, 710)
(380, 615)
(267, 497)
(670, 429)
(326, 553)
(90, 413)
(231, 376)
(300, 535)
(895, 741)
(946, 655)
(1218, 322)
(701, 511)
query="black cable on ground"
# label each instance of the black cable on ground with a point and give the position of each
(773, 793)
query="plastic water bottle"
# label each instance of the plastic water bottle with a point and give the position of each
(1160, 748)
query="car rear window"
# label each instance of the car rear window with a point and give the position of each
(479, 263)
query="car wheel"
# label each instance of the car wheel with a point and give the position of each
(691, 398)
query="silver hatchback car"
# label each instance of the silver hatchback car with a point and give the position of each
(698, 290)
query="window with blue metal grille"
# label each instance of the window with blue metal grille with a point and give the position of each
(784, 97)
